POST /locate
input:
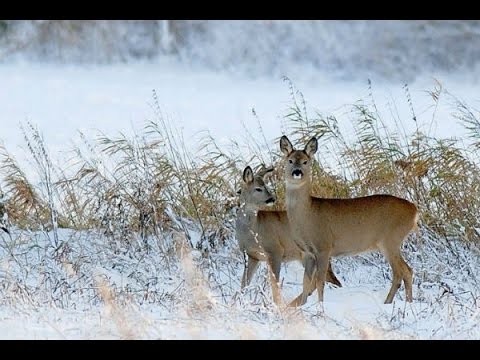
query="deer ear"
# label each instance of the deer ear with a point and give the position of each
(264, 171)
(248, 175)
(312, 146)
(285, 145)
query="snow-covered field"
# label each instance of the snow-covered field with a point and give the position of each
(86, 290)
(64, 99)
(168, 294)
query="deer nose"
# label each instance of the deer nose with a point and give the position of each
(270, 201)
(297, 174)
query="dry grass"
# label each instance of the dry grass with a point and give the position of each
(148, 182)
(199, 300)
(115, 312)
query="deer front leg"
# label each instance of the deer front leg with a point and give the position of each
(251, 265)
(275, 263)
(308, 280)
(323, 260)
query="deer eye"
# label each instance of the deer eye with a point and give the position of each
(290, 161)
(258, 189)
(305, 162)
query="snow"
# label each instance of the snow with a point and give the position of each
(69, 294)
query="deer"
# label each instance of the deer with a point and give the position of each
(264, 235)
(334, 227)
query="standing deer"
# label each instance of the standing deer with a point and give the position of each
(333, 227)
(264, 235)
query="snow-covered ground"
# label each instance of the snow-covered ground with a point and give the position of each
(349, 314)
(89, 289)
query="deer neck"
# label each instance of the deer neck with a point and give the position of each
(247, 215)
(298, 199)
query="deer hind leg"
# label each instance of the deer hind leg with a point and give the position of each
(251, 265)
(308, 280)
(274, 263)
(401, 271)
(331, 278)
(407, 280)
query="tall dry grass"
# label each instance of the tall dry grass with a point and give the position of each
(148, 182)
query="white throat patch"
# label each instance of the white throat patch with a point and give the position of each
(293, 185)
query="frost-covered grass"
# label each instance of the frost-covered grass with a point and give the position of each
(93, 289)
(349, 49)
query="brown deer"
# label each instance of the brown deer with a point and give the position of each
(325, 227)
(264, 235)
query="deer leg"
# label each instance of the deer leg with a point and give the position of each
(407, 280)
(308, 280)
(275, 263)
(323, 261)
(395, 261)
(331, 278)
(251, 265)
